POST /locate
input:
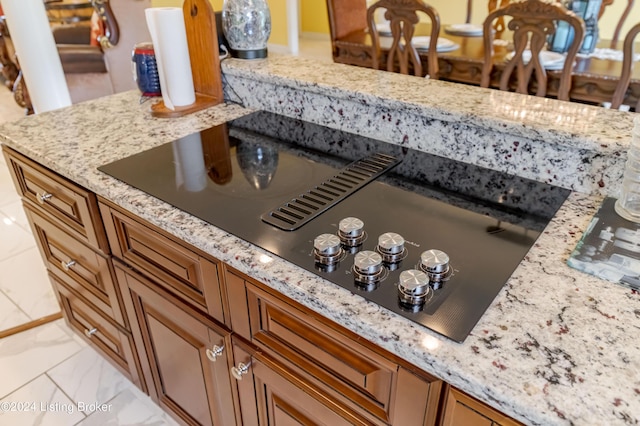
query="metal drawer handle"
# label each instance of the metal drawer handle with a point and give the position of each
(91, 332)
(67, 265)
(214, 352)
(42, 198)
(240, 370)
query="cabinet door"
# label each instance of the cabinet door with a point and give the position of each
(271, 395)
(461, 409)
(184, 354)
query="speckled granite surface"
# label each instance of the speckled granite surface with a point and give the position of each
(570, 145)
(556, 346)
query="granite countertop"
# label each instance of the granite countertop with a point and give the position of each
(557, 346)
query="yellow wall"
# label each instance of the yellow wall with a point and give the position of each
(278, 10)
(313, 16)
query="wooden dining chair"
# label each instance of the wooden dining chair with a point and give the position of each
(532, 22)
(346, 17)
(403, 16)
(627, 68)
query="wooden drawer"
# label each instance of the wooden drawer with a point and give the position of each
(89, 273)
(177, 267)
(346, 368)
(462, 409)
(72, 207)
(271, 395)
(105, 336)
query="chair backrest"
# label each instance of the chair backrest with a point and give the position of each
(627, 67)
(532, 22)
(403, 15)
(498, 25)
(345, 16)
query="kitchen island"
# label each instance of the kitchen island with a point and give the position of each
(556, 346)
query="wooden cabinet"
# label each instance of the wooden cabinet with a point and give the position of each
(462, 409)
(186, 356)
(354, 378)
(70, 235)
(210, 345)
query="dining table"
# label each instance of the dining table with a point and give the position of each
(595, 75)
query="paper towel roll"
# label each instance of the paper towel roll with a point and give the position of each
(37, 54)
(169, 36)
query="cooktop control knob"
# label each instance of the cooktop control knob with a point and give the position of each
(351, 231)
(413, 287)
(391, 247)
(327, 249)
(368, 262)
(368, 269)
(435, 263)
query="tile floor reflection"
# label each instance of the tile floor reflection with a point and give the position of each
(48, 372)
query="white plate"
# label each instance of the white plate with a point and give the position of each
(549, 60)
(444, 44)
(384, 28)
(469, 30)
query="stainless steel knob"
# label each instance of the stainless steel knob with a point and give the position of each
(90, 332)
(214, 352)
(240, 370)
(367, 262)
(413, 281)
(44, 197)
(391, 243)
(327, 244)
(67, 265)
(351, 227)
(434, 261)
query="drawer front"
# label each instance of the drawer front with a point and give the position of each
(105, 336)
(86, 271)
(74, 208)
(271, 395)
(332, 359)
(178, 268)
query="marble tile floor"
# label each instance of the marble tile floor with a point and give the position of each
(48, 375)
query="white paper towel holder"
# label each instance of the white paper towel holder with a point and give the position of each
(202, 39)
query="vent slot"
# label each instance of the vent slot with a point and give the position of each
(300, 210)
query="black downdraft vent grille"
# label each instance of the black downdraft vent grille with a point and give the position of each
(300, 210)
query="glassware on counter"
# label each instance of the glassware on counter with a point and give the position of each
(628, 204)
(247, 27)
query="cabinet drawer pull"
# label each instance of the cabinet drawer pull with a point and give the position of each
(44, 197)
(214, 352)
(67, 265)
(240, 370)
(91, 332)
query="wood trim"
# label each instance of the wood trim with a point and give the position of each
(29, 325)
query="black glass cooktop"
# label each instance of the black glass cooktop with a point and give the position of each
(231, 175)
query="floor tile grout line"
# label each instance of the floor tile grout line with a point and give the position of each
(17, 305)
(13, 254)
(63, 391)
